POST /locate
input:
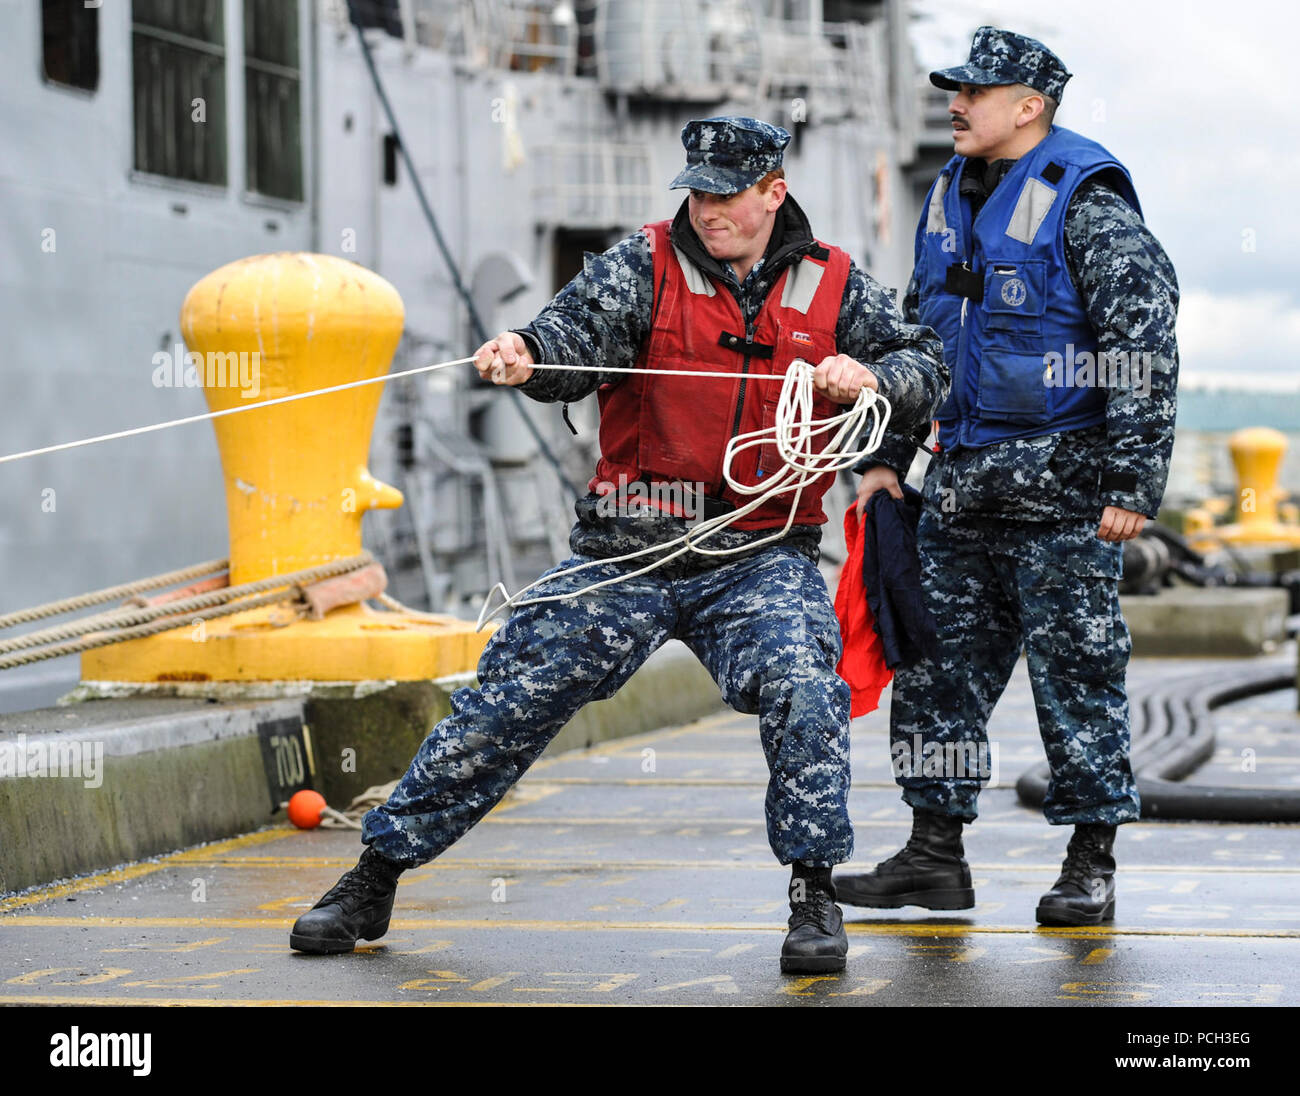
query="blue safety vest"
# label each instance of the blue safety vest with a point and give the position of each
(1000, 295)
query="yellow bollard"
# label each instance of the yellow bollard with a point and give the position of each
(295, 475)
(1257, 456)
(1257, 453)
(296, 480)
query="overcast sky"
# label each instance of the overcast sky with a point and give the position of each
(1192, 98)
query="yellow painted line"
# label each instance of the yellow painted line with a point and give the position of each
(526, 793)
(539, 864)
(479, 924)
(232, 1002)
(135, 871)
(690, 782)
(688, 820)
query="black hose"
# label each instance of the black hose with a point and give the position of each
(1173, 735)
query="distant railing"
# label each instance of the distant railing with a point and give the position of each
(935, 122)
(681, 50)
(595, 184)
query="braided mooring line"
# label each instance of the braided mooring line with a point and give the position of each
(111, 593)
(135, 623)
(87, 643)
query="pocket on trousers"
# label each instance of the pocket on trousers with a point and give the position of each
(1079, 596)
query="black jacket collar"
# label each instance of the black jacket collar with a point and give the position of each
(791, 239)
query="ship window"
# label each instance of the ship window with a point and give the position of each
(70, 37)
(272, 110)
(178, 59)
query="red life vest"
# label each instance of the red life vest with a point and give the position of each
(677, 428)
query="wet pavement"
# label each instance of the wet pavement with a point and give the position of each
(639, 873)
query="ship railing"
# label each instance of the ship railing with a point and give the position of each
(593, 184)
(518, 35)
(936, 127)
(828, 71)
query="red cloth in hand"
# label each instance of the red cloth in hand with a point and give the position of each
(862, 664)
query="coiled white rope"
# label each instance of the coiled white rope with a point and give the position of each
(793, 434)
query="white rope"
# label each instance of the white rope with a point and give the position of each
(793, 435)
(231, 410)
(382, 379)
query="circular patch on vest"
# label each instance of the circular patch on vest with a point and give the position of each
(1013, 292)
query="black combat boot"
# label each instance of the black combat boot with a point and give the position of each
(1085, 892)
(930, 871)
(816, 942)
(356, 908)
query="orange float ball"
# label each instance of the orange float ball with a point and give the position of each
(305, 807)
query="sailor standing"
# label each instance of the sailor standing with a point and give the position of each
(1056, 307)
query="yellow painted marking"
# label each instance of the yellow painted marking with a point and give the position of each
(1107, 991)
(228, 1002)
(921, 928)
(526, 793)
(561, 880)
(33, 977)
(1050, 955)
(568, 979)
(953, 952)
(192, 946)
(800, 987)
(134, 871)
(1097, 955)
(190, 981)
(688, 782)
(437, 945)
(865, 988)
(451, 863)
(492, 983)
(441, 980)
(671, 904)
(721, 983)
(740, 949)
(625, 903)
(276, 905)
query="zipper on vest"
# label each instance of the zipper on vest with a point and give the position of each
(961, 357)
(744, 370)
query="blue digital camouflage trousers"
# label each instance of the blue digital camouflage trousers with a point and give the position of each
(763, 626)
(994, 587)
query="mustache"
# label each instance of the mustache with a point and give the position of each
(960, 122)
